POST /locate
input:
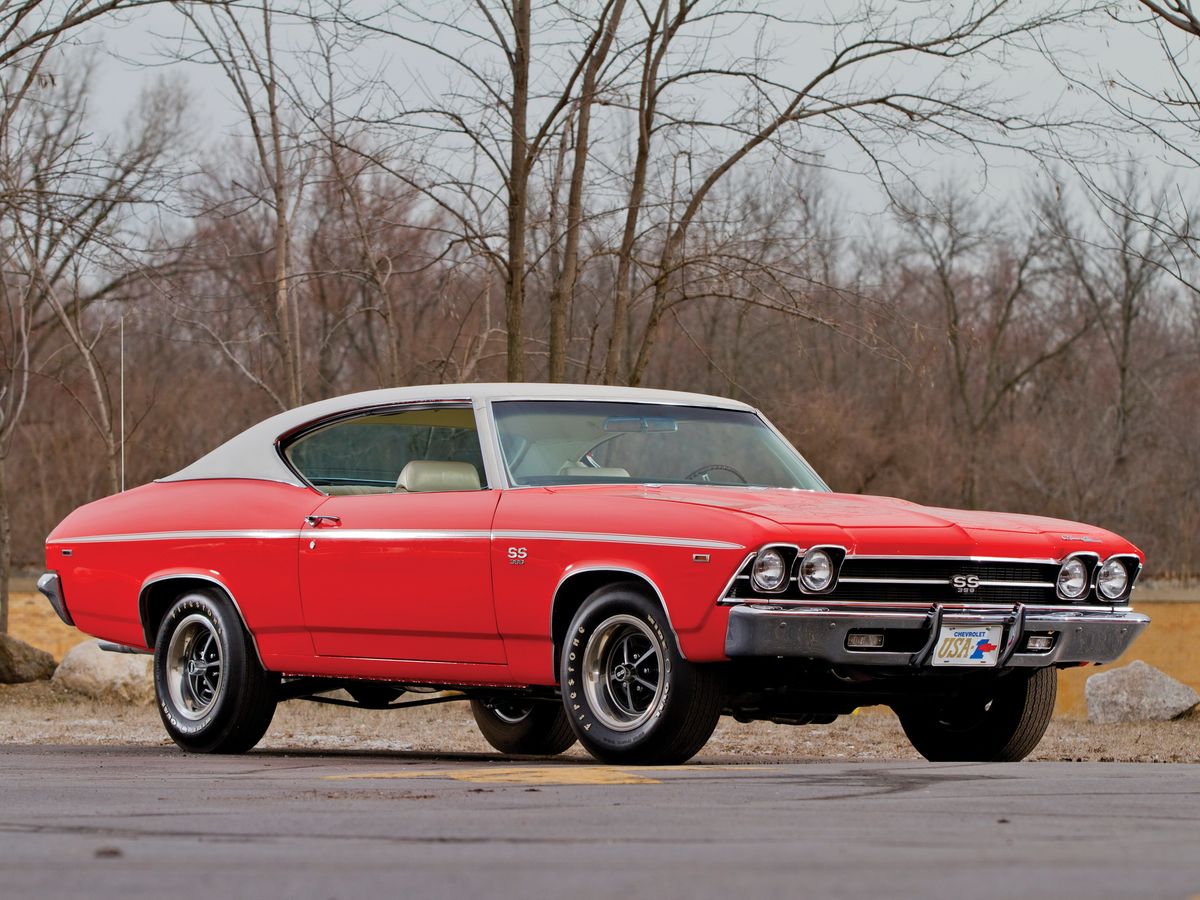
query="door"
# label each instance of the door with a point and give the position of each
(395, 563)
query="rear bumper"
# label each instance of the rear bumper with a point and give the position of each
(50, 585)
(813, 631)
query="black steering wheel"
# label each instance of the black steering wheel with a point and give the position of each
(717, 467)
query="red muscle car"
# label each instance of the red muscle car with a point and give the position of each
(616, 566)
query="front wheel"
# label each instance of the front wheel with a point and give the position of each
(629, 694)
(1003, 723)
(213, 695)
(527, 728)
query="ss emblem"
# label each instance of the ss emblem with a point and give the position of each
(517, 556)
(965, 584)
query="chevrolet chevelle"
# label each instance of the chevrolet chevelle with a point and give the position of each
(616, 566)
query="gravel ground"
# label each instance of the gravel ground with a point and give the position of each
(41, 713)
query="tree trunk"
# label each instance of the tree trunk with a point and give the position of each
(518, 199)
(564, 287)
(5, 551)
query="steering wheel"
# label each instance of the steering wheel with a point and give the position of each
(717, 467)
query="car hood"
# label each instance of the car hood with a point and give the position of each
(887, 525)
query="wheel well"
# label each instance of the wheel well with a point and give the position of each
(577, 588)
(156, 599)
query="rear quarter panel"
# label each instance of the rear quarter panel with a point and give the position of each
(102, 577)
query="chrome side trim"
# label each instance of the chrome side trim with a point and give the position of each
(609, 538)
(601, 568)
(387, 534)
(392, 534)
(197, 576)
(264, 535)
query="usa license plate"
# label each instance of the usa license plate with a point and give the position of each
(974, 645)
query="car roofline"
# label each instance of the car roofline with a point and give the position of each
(252, 454)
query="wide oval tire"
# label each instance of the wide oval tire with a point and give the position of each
(213, 695)
(537, 728)
(629, 694)
(1003, 724)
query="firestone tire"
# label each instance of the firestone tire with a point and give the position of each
(534, 728)
(629, 694)
(1003, 724)
(213, 695)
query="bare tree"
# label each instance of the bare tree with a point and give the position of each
(1000, 318)
(503, 121)
(1119, 268)
(71, 246)
(242, 46)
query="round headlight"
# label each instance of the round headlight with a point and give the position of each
(816, 570)
(1112, 580)
(1073, 579)
(770, 570)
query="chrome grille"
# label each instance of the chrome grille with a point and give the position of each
(925, 580)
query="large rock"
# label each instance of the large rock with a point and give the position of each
(20, 663)
(86, 669)
(1137, 693)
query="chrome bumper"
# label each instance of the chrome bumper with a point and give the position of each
(50, 585)
(813, 631)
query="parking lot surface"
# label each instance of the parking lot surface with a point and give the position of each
(114, 822)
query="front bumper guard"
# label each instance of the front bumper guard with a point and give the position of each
(819, 632)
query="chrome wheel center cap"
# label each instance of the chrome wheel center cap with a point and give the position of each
(623, 673)
(193, 667)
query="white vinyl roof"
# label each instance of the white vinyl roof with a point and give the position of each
(252, 453)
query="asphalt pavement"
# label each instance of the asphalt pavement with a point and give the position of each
(102, 822)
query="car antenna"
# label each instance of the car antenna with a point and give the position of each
(122, 403)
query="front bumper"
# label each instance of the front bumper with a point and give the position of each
(819, 632)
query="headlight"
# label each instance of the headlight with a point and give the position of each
(770, 570)
(1073, 579)
(816, 571)
(1112, 580)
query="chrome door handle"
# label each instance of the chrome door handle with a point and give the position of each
(323, 521)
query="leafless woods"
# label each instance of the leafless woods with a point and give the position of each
(645, 192)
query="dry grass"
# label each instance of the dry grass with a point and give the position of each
(40, 713)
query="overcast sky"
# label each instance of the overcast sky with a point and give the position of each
(1109, 48)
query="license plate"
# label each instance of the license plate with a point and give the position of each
(974, 645)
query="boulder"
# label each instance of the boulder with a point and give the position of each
(20, 663)
(1137, 693)
(88, 670)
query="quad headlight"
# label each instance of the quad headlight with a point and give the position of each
(1112, 579)
(770, 570)
(817, 570)
(1073, 578)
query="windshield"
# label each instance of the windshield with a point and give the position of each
(573, 442)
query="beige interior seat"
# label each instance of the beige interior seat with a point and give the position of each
(437, 475)
(354, 490)
(592, 472)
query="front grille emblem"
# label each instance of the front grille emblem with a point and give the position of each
(965, 584)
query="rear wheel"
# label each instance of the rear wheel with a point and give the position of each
(1001, 724)
(629, 693)
(527, 727)
(213, 695)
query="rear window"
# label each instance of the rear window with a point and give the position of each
(369, 452)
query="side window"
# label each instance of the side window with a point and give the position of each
(371, 454)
